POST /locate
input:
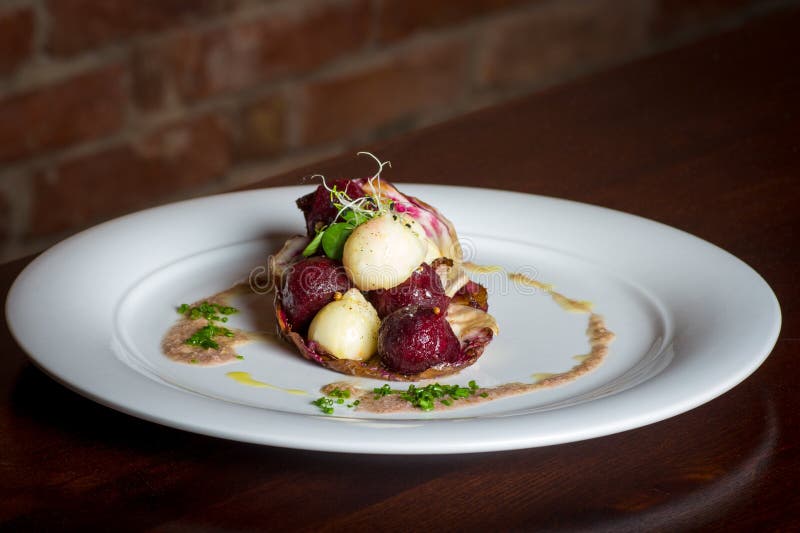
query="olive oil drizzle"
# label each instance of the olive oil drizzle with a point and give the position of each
(244, 378)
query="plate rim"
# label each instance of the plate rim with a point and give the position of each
(486, 444)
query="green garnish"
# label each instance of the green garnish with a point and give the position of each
(209, 311)
(382, 391)
(325, 405)
(334, 237)
(352, 211)
(313, 246)
(334, 397)
(204, 337)
(425, 398)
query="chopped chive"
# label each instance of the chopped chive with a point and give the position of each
(425, 398)
(325, 405)
(204, 337)
(382, 391)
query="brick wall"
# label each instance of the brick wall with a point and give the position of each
(110, 106)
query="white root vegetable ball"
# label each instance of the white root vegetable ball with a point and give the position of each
(347, 328)
(383, 252)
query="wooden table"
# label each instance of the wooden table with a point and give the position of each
(705, 138)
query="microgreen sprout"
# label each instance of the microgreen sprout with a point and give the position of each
(351, 211)
(376, 177)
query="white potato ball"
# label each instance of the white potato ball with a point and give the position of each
(383, 252)
(347, 328)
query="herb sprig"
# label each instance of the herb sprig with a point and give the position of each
(333, 236)
(204, 337)
(352, 211)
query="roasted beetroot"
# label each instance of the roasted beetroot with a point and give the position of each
(415, 338)
(418, 344)
(317, 206)
(308, 285)
(424, 287)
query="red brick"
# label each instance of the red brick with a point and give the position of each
(16, 38)
(77, 25)
(84, 107)
(263, 128)
(117, 180)
(672, 17)
(561, 39)
(383, 93)
(246, 54)
(5, 217)
(148, 85)
(399, 18)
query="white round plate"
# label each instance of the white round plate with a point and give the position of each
(691, 322)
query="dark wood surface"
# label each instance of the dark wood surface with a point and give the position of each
(705, 138)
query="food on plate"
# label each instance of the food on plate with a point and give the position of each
(423, 287)
(347, 328)
(414, 337)
(308, 285)
(199, 338)
(376, 288)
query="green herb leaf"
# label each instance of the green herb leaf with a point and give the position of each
(313, 246)
(355, 218)
(334, 237)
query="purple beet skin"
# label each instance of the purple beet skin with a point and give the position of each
(415, 338)
(317, 206)
(424, 288)
(308, 285)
